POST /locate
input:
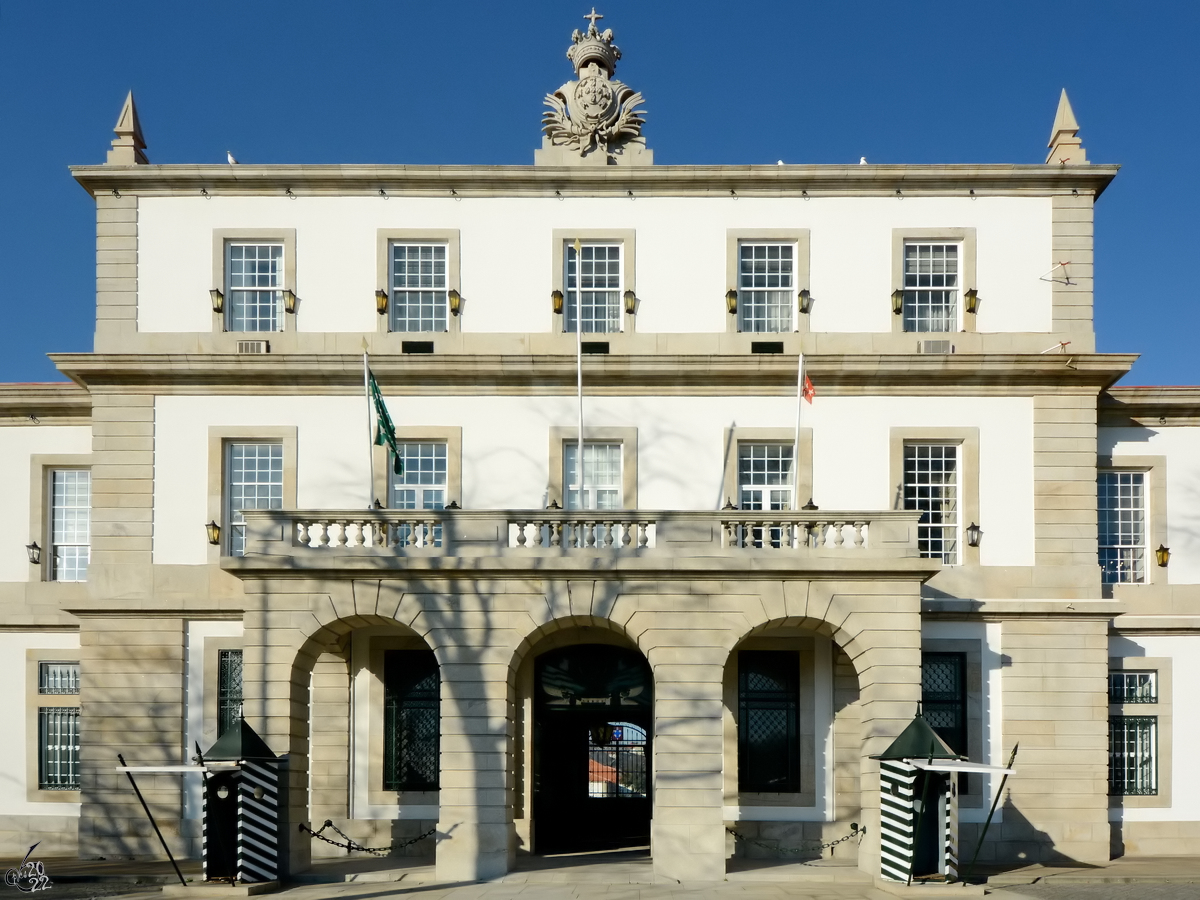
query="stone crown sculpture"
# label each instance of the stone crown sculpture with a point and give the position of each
(594, 119)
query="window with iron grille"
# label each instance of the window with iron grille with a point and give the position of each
(411, 720)
(70, 524)
(58, 678)
(421, 483)
(58, 748)
(944, 697)
(593, 288)
(419, 300)
(601, 475)
(768, 721)
(254, 285)
(931, 287)
(1132, 752)
(931, 486)
(229, 690)
(1132, 687)
(766, 287)
(1121, 501)
(254, 480)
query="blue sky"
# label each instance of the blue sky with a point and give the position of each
(746, 82)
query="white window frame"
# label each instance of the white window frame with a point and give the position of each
(912, 287)
(747, 293)
(440, 317)
(614, 321)
(235, 523)
(79, 546)
(591, 486)
(1133, 686)
(272, 295)
(951, 532)
(787, 456)
(1127, 563)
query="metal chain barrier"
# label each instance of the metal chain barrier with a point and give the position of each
(855, 832)
(351, 844)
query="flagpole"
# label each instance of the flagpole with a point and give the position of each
(370, 436)
(579, 370)
(796, 443)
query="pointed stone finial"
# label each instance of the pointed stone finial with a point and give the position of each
(1066, 149)
(128, 147)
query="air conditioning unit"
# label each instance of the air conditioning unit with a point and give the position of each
(253, 347)
(934, 347)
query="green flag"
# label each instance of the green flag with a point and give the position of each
(385, 431)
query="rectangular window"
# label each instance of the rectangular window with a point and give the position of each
(411, 720)
(944, 697)
(593, 288)
(601, 475)
(1121, 501)
(766, 294)
(421, 483)
(766, 479)
(769, 721)
(254, 474)
(931, 486)
(229, 690)
(70, 528)
(1132, 748)
(58, 748)
(58, 678)
(931, 287)
(419, 300)
(254, 285)
(1132, 687)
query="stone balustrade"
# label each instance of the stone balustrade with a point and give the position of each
(619, 533)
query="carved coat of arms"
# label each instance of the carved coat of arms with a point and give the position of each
(595, 113)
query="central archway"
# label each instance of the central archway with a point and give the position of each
(593, 717)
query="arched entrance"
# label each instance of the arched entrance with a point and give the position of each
(593, 710)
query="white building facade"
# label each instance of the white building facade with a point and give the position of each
(684, 644)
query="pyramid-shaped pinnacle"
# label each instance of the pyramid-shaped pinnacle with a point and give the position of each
(1065, 146)
(128, 146)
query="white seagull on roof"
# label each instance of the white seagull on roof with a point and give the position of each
(229, 157)
(862, 160)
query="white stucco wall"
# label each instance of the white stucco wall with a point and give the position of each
(16, 446)
(1184, 652)
(14, 713)
(1181, 447)
(506, 255)
(681, 446)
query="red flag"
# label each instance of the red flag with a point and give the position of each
(808, 391)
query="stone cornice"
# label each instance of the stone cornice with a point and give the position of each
(1152, 406)
(41, 403)
(464, 181)
(680, 375)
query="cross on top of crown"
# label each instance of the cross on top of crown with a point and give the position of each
(593, 17)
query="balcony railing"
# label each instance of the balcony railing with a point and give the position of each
(621, 533)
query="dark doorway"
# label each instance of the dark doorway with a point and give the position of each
(593, 723)
(929, 839)
(220, 825)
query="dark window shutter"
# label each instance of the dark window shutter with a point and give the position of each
(411, 720)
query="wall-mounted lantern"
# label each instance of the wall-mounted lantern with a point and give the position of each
(455, 299)
(289, 302)
(381, 300)
(218, 300)
(806, 302)
(556, 301)
(974, 535)
(630, 299)
(35, 553)
(214, 532)
(731, 300)
(897, 301)
(971, 301)
(1162, 555)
